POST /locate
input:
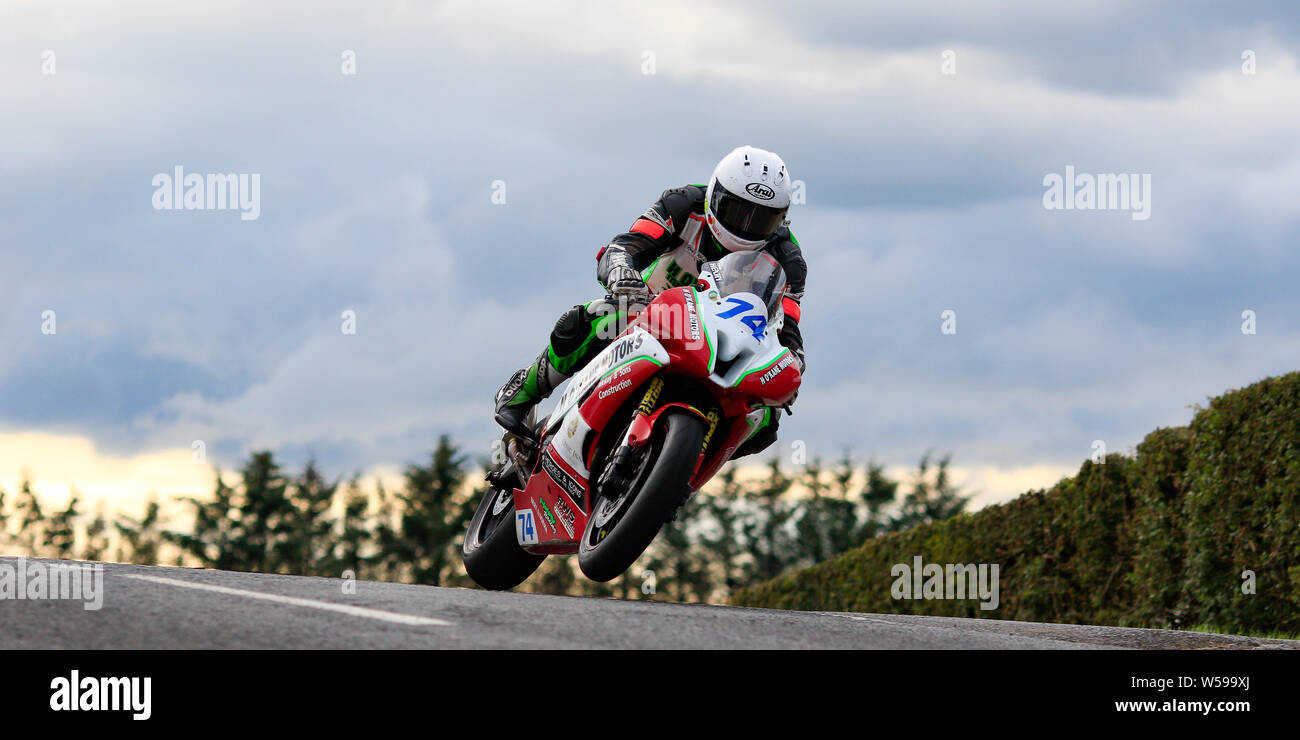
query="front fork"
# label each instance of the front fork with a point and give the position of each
(617, 472)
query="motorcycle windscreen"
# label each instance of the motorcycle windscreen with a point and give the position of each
(751, 272)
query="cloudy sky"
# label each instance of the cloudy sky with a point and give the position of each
(923, 132)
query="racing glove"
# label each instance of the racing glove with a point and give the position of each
(624, 282)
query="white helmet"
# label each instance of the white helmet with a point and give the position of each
(747, 199)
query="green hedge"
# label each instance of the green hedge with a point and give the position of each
(1160, 539)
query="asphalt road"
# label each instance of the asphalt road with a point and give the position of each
(169, 608)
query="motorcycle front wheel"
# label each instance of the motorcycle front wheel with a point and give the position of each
(624, 523)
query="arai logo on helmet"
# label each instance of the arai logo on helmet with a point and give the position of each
(760, 191)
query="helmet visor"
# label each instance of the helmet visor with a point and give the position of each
(744, 218)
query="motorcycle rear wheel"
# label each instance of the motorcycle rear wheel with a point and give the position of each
(491, 552)
(622, 527)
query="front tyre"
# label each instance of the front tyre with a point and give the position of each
(492, 555)
(624, 523)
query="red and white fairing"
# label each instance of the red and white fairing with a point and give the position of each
(693, 331)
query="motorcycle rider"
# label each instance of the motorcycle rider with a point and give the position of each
(743, 208)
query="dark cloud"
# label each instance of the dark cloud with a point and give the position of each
(924, 194)
(1112, 47)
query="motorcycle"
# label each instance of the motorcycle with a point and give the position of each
(640, 429)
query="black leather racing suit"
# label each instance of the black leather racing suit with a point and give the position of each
(667, 245)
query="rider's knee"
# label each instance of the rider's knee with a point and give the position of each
(570, 330)
(760, 441)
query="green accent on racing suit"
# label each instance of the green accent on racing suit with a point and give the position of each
(568, 364)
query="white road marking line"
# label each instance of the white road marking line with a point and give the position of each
(355, 611)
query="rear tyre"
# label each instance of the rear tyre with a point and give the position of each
(491, 553)
(624, 523)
